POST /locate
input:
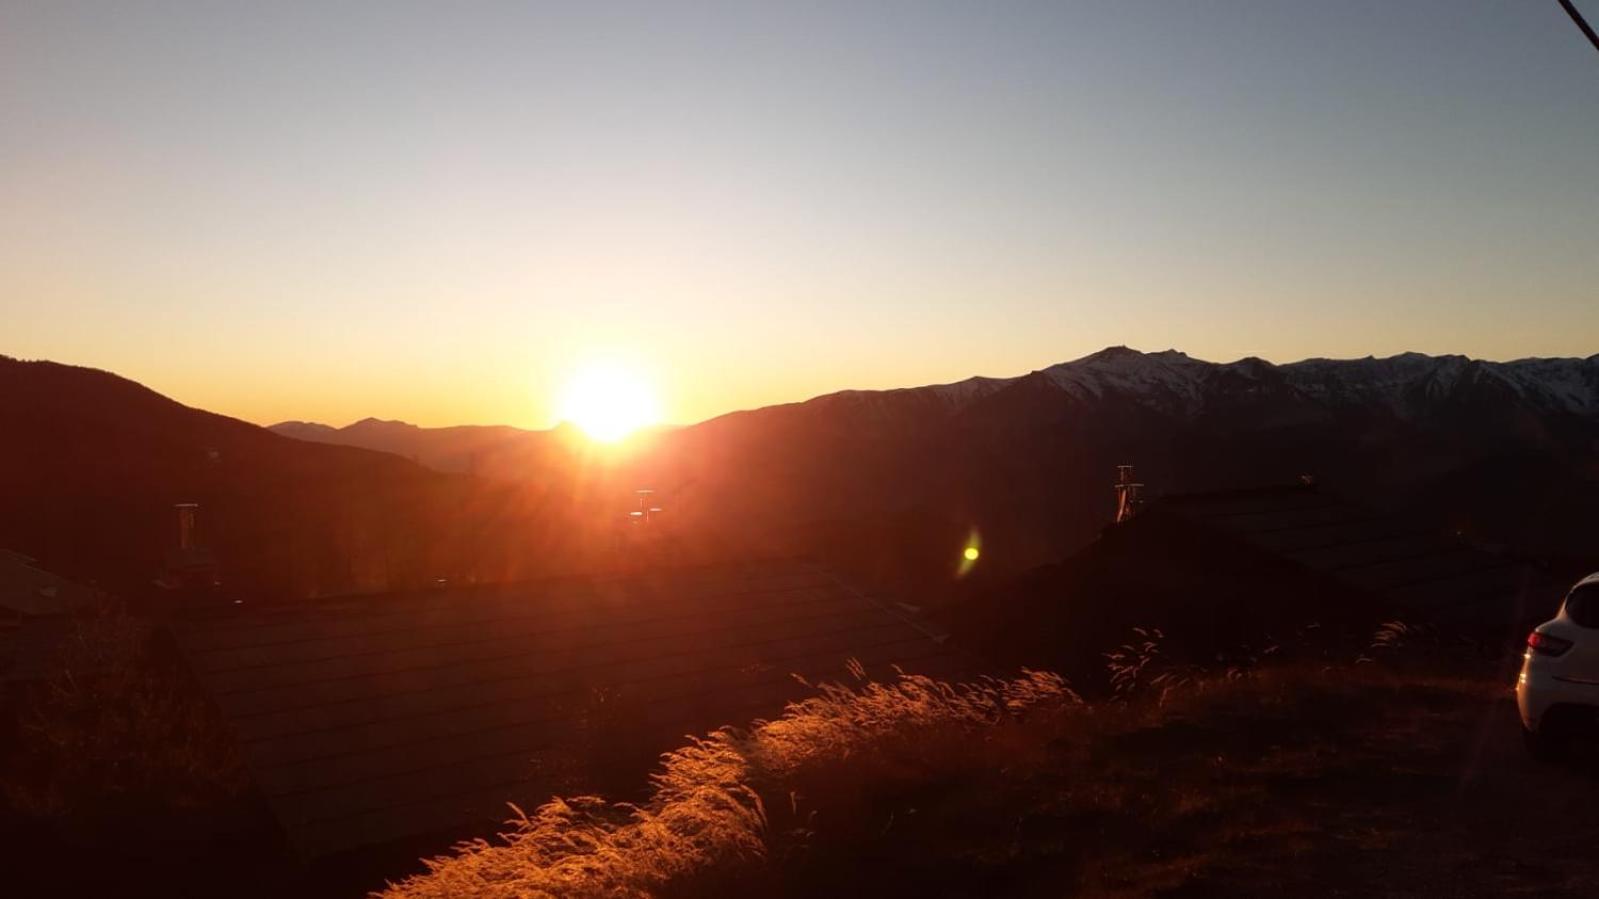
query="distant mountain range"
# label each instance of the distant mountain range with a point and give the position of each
(491, 450)
(1505, 452)
(1411, 387)
(891, 484)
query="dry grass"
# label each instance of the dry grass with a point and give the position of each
(1398, 765)
(707, 820)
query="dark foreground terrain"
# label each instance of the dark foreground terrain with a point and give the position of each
(1395, 771)
(1390, 776)
(1298, 784)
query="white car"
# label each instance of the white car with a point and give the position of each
(1558, 689)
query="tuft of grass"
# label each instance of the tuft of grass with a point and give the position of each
(706, 819)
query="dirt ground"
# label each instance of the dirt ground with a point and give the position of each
(1347, 782)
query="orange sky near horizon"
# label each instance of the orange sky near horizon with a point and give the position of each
(529, 397)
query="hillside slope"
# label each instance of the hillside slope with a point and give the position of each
(887, 485)
(92, 464)
(498, 451)
(894, 483)
(891, 485)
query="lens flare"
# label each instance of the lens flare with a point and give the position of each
(971, 551)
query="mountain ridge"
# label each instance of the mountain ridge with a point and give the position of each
(1026, 461)
(888, 485)
(93, 464)
(1123, 369)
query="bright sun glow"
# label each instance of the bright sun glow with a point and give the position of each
(609, 401)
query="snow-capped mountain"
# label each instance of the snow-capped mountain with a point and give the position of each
(1507, 451)
(1170, 381)
(1412, 382)
(1410, 385)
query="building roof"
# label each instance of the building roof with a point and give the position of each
(28, 590)
(368, 720)
(34, 610)
(1411, 567)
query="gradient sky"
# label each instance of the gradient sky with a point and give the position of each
(433, 211)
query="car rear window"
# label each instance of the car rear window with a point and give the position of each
(1582, 606)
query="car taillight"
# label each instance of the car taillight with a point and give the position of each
(1544, 644)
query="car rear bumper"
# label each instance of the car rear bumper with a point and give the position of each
(1539, 691)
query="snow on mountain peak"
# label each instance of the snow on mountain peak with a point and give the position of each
(1405, 385)
(1169, 379)
(962, 392)
(1571, 384)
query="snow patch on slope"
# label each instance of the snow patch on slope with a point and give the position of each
(961, 393)
(1169, 380)
(1568, 384)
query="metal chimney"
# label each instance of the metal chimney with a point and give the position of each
(186, 513)
(1128, 493)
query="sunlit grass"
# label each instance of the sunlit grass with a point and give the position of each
(999, 776)
(707, 815)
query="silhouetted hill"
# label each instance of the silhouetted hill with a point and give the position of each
(498, 451)
(304, 430)
(92, 464)
(892, 483)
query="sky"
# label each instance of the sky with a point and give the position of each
(438, 211)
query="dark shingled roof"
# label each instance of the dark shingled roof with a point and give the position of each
(1226, 576)
(371, 719)
(29, 591)
(1411, 567)
(35, 617)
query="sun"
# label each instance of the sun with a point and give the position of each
(609, 400)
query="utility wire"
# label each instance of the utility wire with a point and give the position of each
(1581, 22)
